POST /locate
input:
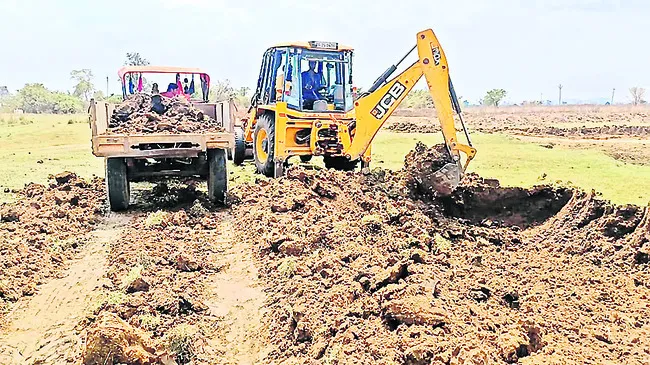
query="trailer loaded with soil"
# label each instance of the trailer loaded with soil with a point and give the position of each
(149, 137)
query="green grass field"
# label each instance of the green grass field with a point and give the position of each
(517, 163)
(34, 146)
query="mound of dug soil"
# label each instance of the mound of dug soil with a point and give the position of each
(137, 115)
(43, 229)
(410, 127)
(546, 123)
(364, 270)
(600, 132)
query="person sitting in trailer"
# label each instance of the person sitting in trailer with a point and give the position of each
(172, 90)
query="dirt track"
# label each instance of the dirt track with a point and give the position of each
(328, 267)
(44, 328)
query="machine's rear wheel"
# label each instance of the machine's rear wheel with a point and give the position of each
(340, 163)
(239, 152)
(117, 184)
(305, 158)
(217, 176)
(264, 145)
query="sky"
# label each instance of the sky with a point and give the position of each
(526, 47)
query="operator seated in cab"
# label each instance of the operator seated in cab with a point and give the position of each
(311, 84)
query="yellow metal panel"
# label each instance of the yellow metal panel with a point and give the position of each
(280, 131)
(373, 110)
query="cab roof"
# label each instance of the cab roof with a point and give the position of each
(159, 70)
(310, 45)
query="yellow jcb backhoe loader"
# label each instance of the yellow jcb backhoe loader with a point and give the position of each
(304, 105)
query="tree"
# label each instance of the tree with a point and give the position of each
(134, 59)
(99, 95)
(36, 98)
(242, 97)
(63, 103)
(8, 102)
(84, 87)
(243, 91)
(221, 90)
(637, 95)
(494, 97)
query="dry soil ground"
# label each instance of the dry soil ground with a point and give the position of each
(325, 267)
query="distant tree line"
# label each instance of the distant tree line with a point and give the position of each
(37, 98)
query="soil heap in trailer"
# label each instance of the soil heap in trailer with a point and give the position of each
(154, 135)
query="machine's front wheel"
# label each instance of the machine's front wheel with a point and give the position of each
(264, 145)
(340, 163)
(217, 176)
(239, 152)
(117, 184)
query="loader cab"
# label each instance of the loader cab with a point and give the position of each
(308, 76)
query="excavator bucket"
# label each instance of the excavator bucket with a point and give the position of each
(446, 179)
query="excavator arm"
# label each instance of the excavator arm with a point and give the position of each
(381, 100)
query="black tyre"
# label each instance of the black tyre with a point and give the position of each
(264, 145)
(217, 176)
(340, 163)
(239, 152)
(117, 184)
(306, 158)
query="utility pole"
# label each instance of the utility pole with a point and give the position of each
(560, 99)
(107, 86)
(613, 91)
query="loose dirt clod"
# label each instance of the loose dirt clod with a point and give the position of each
(110, 340)
(136, 115)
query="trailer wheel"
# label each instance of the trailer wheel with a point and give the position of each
(117, 184)
(340, 163)
(305, 158)
(239, 152)
(217, 176)
(264, 145)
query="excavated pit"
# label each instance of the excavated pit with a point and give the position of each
(485, 202)
(478, 200)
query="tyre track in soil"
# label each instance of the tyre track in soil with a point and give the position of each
(42, 329)
(235, 298)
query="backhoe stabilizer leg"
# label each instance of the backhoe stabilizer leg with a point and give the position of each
(278, 170)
